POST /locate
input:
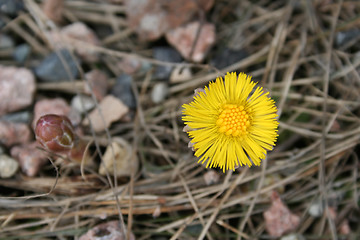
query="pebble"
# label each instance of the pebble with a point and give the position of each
(293, 237)
(17, 117)
(17, 88)
(96, 83)
(123, 90)
(56, 106)
(6, 41)
(54, 10)
(14, 133)
(106, 231)
(112, 109)
(166, 54)
(81, 32)
(21, 53)
(125, 164)
(316, 209)
(52, 69)
(183, 39)
(152, 18)
(82, 103)
(211, 177)
(180, 74)
(11, 7)
(227, 56)
(129, 65)
(8, 166)
(31, 159)
(342, 38)
(278, 218)
(159, 92)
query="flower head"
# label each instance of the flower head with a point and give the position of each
(230, 124)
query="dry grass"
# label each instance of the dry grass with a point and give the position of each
(293, 53)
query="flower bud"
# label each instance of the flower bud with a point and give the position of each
(55, 133)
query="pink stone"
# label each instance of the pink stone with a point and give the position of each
(129, 65)
(112, 109)
(183, 39)
(17, 87)
(14, 133)
(109, 230)
(56, 106)
(30, 158)
(77, 32)
(98, 83)
(152, 18)
(53, 10)
(278, 218)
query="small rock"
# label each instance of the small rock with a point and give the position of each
(159, 92)
(17, 117)
(53, 10)
(129, 65)
(6, 41)
(21, 53)
(112, 109)
(152, 18)
(8, 166)
(278, 218)
(11, 7)
(96, 83)
(30, 158)
(56, 106)
(82, 103)
(125, 163)
(293, 237)
(166, 54)
(17, 88)
(227, 56)
(106, 231)
(345, 37)
(14, 133)
(156, 212)
(211, 177)
(123, 90)
(180, 75)
(52, 69)
(183, 39)
(316, 209)
(79, 31)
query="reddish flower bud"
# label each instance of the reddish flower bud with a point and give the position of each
(55, 132)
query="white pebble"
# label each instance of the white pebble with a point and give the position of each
(159, 92)
(8, 166)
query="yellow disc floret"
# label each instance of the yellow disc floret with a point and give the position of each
(233, 120)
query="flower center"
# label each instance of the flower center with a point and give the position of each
(233, 120)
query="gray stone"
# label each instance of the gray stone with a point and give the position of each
(227, 56)
(6, 41)
(166, 54)
(123, 90)
(52, 68)
(11, 7)
(21, 53)
(18, 117)
(8, 166)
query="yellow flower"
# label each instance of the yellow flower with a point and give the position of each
(230, 124)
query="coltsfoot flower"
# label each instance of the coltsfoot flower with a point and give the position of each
(230, 124)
